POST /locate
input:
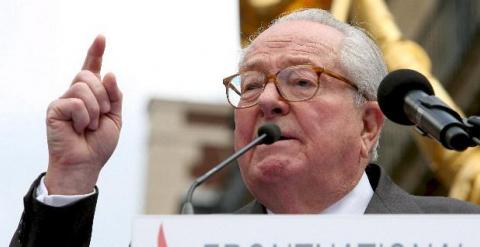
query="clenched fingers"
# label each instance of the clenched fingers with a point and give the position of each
(83, 92)
(71, 109)
(96, 86)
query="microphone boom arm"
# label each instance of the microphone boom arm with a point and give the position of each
(267, 134)
(188, 206)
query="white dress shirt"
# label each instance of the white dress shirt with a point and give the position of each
(355, 202)
(57, 200)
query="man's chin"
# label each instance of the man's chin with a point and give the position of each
(271, 170)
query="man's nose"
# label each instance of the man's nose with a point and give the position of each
(271, 103)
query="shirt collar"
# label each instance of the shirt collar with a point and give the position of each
(355, 202)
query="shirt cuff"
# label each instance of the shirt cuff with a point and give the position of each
(57, 200)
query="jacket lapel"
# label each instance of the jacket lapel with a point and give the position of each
(388, 198)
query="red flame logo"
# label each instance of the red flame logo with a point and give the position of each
(161, 240)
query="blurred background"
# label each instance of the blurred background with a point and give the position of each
(170, 58)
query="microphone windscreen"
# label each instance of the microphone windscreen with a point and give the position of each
(272, 131)
(394, 88)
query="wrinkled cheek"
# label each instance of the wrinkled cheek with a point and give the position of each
(244, 125)
(245, 121)
(240, 140)
(244, 163)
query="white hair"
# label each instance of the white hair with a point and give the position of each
(359, 56)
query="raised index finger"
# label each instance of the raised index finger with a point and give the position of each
(93, 61)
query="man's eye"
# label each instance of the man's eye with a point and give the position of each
(251, 86)
(303, 83)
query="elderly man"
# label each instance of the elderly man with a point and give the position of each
(313, 76)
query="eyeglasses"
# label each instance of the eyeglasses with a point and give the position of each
(294, 83)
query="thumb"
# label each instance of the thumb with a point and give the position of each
(115, 96)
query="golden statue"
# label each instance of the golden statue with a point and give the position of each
(459, 171)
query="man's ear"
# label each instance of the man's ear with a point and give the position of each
(373, 119)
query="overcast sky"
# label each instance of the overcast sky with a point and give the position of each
(165, 49)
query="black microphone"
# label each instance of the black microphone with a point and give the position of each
(406, 97)
(267, 134)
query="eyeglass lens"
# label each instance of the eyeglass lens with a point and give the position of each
(293, 83)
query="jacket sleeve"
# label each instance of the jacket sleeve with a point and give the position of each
(43, 225)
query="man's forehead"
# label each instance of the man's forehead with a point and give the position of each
(293, 42)
(305, 31)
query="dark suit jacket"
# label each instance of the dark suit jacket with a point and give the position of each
(388, 198)
(43, 225)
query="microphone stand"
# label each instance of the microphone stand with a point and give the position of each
(188, 206)
(268, 134)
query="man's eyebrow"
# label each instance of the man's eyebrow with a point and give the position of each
(298, 60)
(253, 64)
(261, 63)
